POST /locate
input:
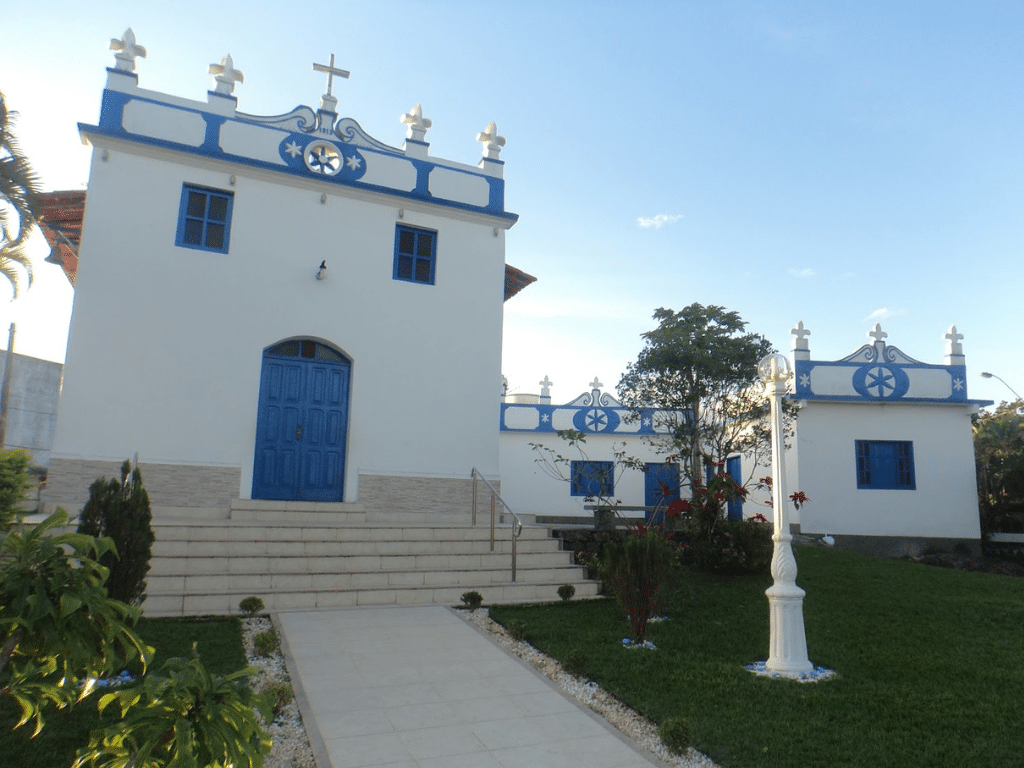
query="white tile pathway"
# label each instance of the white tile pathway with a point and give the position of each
(417, 687)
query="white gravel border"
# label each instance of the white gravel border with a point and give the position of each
(291, 748)
(628, 721)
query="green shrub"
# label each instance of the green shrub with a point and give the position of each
(250, 606)
(577, 662)
(280, 693)
(637, 569)
(120, 510)
(186, 717)
(735, 547)
(517, 629)
(472, 600)
(675, 735)
(567, 591)
(266, 643)
(14, 485)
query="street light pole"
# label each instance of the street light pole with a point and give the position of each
(788, 644)
(987, 375)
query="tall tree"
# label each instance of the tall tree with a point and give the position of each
(19, 205)
(999, 458)
(699, 367)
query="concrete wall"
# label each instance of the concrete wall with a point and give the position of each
(32, 411)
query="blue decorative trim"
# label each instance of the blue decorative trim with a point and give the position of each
(588, 418)
(297, 127)
(301, 118)
(863, 377)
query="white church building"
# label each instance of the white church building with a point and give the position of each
(270, 307)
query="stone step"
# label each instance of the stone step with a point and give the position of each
(222, 549)
(265, 583)
(223, 531)
(195, 604)
(342, 563)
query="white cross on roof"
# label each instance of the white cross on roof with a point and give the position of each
(331, 71)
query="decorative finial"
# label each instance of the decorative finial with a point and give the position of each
(492, 141)
(327, 101)
(126, 51)
(226, 75)
(878, 334)
(545, 387)
(596, 383)
(953, 337)
(418, 125)
(801, 334)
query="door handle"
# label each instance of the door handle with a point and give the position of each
(298, 432)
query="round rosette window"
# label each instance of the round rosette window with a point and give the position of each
(323, 158)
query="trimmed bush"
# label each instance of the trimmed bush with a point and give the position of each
(120, 509)
(675, 735)
(250, 606)
(280, 693)
(736, 547)
(266, 643)
(472, 600)
(517, 629)
(14, 485)
(577, 662)
(567, 592)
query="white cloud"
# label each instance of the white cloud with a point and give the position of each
(659, 221)
(805, 272)
(879, 314)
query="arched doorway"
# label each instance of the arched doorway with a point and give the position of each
(302, 424)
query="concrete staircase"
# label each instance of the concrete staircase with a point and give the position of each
(298, 556)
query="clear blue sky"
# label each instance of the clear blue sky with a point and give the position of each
(841, 163)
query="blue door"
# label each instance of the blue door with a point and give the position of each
(302, 423)
(733, 468)
(661, 485)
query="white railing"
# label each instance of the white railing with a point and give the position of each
(517, 526)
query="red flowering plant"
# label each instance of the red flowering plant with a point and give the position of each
(704, 511)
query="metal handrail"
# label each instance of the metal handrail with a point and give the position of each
(517, 528)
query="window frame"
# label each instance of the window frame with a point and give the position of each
(607, 481)
(878, 472)
(415, 255)
(184, 217)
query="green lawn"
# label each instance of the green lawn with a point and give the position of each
(220, 646)
(930, 664)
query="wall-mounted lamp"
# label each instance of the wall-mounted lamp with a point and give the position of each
(322, 272)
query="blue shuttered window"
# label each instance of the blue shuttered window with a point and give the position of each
(204, 219)
(415, 254)
(592, 478)
(885, 464)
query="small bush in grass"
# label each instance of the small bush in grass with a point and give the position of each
(250, 606)
(637, 568)
(675, 735)
(280, 693)
(576, 662)
(266, 643)
(566, 591)
(517, 628)
(472, 600)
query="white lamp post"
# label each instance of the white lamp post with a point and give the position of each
(788, 647)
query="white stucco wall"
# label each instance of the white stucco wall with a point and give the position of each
(166, 343)
(945, 502)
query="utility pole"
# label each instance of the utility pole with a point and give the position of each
(5, 392)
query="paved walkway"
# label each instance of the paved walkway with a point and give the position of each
(417, 687)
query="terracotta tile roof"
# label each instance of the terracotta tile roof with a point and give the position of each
(61, 223)
(515, 281)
